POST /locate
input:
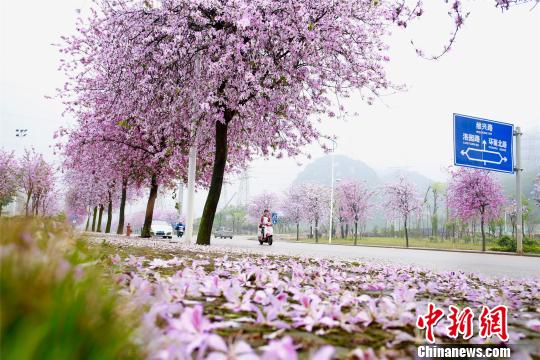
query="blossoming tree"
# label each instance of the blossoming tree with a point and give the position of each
(8, 178)
(402, 201)
(100, 165)
(475, 193)
(88, 189)
(36, 179)
(259, 203)
(122, 155)
(536, 190)
(354, 200)
(292, 206)
(316, 204)
(511, 210)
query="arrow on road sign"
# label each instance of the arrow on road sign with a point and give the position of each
(483, 155)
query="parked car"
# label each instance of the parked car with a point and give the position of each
(223, 233)
(161, 228)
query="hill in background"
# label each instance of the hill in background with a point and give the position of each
(346, 168)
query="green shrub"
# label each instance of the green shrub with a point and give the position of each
(54, 305)
(507, 243)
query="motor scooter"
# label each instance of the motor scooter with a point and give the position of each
(266, 234)
(179, 230)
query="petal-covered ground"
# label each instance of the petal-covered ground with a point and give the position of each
(208, 302)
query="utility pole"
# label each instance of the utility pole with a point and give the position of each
(192, 164)
(331, 194)
(180, 198)
(246, 179)
(519, 210)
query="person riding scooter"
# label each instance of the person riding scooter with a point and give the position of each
(179, 227)
(265, 228)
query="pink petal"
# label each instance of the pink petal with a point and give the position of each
(324, 353)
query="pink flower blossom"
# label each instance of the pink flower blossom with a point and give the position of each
(238, 351)
(282, 349)
(533, 325)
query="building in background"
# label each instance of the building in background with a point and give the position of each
(16, 207)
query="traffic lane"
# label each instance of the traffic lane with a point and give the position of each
(487, 264)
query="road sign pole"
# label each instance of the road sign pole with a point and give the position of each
(519, 210)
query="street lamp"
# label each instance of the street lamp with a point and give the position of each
(334, 145)
(21, 132)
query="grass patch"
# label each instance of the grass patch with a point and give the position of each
(53, 305)
(429, 243)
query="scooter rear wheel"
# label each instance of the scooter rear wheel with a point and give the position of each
(270, 240)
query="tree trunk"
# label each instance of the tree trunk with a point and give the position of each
(109, 215)
(100, 217)
(87, 222)
(94, 219)
(38, 199)
(342, 231)
(220, 159)
(147, 227)
(27, 203)
(406, 233)
(446, 220)
(483, 233)
(43, 207)
(355, 231)
(316, 230)
(121, 215)
(297, 231)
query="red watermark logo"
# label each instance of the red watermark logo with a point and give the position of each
(492, 322)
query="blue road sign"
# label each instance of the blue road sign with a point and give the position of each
(274, 218)
(483, 144)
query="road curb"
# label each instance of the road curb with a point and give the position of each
(419, 248)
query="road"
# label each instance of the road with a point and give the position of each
(493, 265)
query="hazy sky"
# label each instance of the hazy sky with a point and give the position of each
(492, 71)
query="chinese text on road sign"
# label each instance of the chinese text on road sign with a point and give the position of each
(483, 143)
